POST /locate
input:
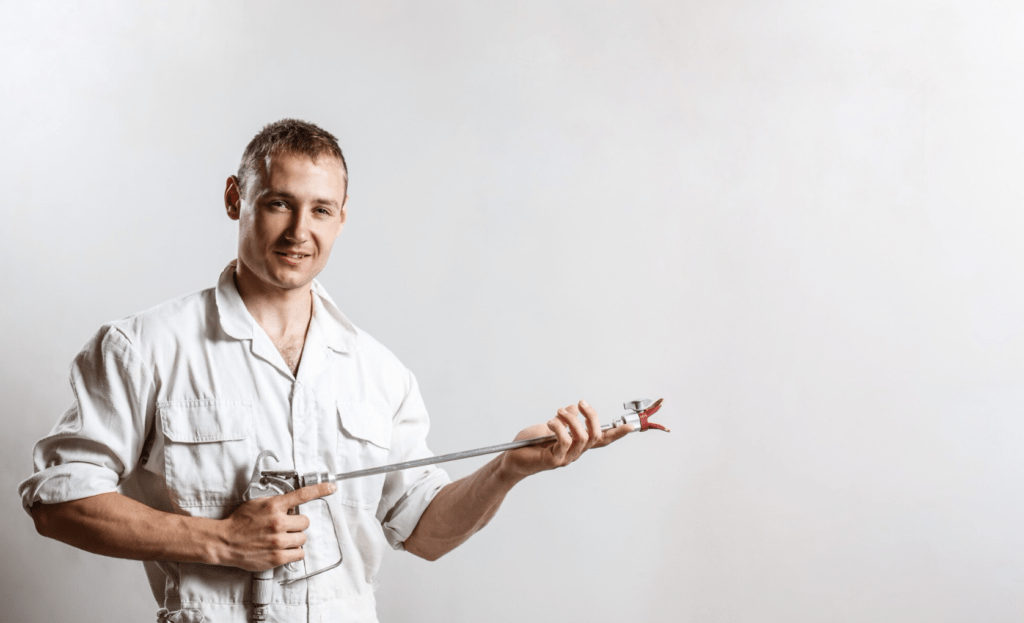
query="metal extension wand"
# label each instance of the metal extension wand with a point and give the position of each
(640, 410)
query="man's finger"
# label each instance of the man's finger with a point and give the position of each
(570, 415)
(285, 556)
(285, 540)
(563, 441)
(614, 434)
(593, 422)
(580, 437)
(291, 523)
(305, 494)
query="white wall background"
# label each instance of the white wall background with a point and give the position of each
(800, 222)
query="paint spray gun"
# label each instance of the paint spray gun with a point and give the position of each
(265, 483)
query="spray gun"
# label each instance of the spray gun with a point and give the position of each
(265, 483)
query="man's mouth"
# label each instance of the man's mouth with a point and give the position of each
(294, 257)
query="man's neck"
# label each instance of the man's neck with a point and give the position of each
(282, 313)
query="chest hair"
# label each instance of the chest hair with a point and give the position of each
(291, 350)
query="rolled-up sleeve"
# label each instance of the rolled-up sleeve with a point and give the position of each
(98, 441)
(407, 493)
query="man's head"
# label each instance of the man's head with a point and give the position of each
(289, 198)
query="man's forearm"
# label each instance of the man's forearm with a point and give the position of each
(260, 534)
(461, 509)
(114, 525)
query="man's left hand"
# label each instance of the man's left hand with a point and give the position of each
(573, 437)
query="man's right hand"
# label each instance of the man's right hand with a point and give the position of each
(260, 534)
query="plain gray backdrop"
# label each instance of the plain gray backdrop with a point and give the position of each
(799, 222)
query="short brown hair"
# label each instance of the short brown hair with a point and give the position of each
(290, 136)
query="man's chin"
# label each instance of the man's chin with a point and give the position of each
(292, 284)
(291, 280)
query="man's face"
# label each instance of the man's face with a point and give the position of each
(288, 218)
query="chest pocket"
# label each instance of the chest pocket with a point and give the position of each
(364, 441)
(209, 450)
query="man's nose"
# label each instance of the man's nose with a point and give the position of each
(298, 230)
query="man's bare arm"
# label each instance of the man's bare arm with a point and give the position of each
(258, 535)
(465, 506)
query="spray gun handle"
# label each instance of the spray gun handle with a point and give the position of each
(266, 483)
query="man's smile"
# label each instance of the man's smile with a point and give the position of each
(291, 257)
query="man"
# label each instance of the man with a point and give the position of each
(173, 405)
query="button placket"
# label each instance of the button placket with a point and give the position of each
(304, 438)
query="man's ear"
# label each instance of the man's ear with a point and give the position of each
(233, 198)
(344, 210)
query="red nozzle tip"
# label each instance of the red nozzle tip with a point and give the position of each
(647, 413)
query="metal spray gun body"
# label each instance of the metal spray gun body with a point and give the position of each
(265, 483)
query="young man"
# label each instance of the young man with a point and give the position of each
(173, 405)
